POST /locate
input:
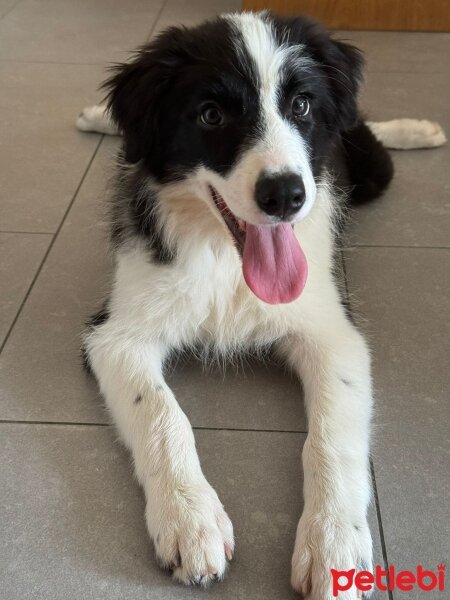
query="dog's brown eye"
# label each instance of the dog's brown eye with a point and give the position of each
(211, 115)
(300, 106)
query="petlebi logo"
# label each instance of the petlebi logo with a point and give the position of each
(390, 579)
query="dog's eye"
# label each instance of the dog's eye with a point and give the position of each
(300, 106)
(211, 115)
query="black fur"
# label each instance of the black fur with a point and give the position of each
(133, 213)
(365, 166)
(155, 100)
(369, 164)
(100, 317)
(336, 80)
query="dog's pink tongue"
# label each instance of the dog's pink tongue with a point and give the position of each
(274, 266)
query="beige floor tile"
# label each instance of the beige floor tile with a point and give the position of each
(403, 294)
(412, 52)
(20, 257)
(395, 95)
(415, 211)
(77, 31)
(6, 6)
(42, 155)
(178, 12)
(41, 374)
(74, 524)
(75, 496)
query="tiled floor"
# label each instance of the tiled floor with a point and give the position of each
(72, 515)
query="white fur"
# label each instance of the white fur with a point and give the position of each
(281, 148)
(407, 134)
(201, 298)
(96, 118)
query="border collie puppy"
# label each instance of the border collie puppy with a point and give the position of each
(238, 137)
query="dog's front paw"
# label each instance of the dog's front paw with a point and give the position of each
(324, 543)
(192, 534)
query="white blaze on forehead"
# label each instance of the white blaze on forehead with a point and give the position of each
(279, 146)
(260, 43)
(268, 54)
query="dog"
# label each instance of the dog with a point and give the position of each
(240, 137)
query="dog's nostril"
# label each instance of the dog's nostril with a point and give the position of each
(298, 200)
(269, 203)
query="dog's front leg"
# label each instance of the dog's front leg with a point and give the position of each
(333, 363)
(192, 534)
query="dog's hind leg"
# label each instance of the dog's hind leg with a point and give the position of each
(407, 134)
(192, 534)
(332, 360)
(97, 118)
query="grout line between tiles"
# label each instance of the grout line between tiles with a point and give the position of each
(57, 62)
(28, 232)
(50, 246)
(60, 423)
(380, 524)
(10, 10)
(372, 469)
(200, 428)
(157, 18)
(405, 70)
(344, 268)
(384, 72)
(353, 246)
(105, 63)
(245, 430)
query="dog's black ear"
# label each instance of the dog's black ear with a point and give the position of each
(136, 91)
(341, 65)
(133, 102)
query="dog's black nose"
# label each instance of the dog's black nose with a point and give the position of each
(280, 195)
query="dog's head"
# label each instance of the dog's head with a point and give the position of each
(247, 106)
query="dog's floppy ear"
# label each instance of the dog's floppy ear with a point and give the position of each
(135, 94)
(341, 64)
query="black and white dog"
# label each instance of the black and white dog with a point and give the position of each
(239, 136)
